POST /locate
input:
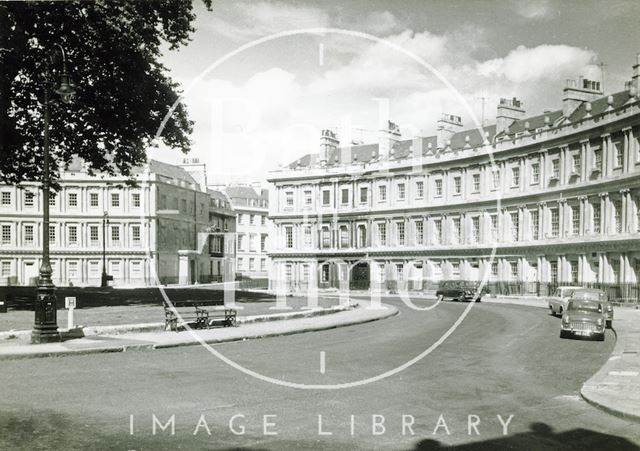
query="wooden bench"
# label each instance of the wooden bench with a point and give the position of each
(195, 314)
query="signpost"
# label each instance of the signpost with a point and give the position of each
(70, 304)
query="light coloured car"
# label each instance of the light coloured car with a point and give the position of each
(583, 318)
(596, 295)
(558, 302)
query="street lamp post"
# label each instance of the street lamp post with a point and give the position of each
(105, 277)
(45, 327)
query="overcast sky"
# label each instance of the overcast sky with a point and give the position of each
(266, 106)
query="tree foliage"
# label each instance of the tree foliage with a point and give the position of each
(123, 90)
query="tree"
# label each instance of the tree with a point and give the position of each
(123, 90)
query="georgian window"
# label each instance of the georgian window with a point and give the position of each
(419, 189)
(344, 196)
(135, 233)
(553, 272)
(382, 193)
(535, 172)
(576, 163)
(289, 198)
(495, 174)
(457, 185)
(555, 168)
(555, 222)
(28, 234)
(401, 191)
(344, 236)
(437, 226)
(288, 231)
(307, 238)
(457, 231)
(400, 233)
(28, 199)
(419, 232)
(596, 218)
(326, 237)
(52, 234)
(73, 234)
(515, 226)
(93, 234)
(535, 227)
(617, 216)
(326, 197)
(72, 199)
(93, 200)
(6, 234)
(494, 227)
(135, 200)
(364, 195)
(382, 234)
(115, 200)
(597, 159)
(475, 228)
(515, 177)
(575, 220)
(438, 187)
(476, 183)
(6, 198)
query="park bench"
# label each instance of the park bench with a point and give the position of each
(197, 315)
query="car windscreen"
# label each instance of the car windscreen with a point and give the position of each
(588, 295)
(589, 307)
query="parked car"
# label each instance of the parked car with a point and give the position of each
(583, 318)
(459, 291)
(596, 295)
(558, 302)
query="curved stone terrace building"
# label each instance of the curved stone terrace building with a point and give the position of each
(557, 194)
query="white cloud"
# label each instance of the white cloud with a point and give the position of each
(381, 23)
(533, 9)
(260, 18)
(545, 62)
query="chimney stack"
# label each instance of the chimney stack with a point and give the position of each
(388, 138)
(635, 80)
(509, 111)
(447, 125)
(577, 92)
(197, 170)
(328, 146)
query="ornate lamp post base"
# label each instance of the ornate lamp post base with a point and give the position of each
(45, 328)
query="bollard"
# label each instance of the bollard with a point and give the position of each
(70, 304)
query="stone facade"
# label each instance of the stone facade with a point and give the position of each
(557, 195)
(252, 226)
(164, 226)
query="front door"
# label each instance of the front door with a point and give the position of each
(360, 277)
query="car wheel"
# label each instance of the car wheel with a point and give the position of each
(600, 337)
(609, 323)
(564, 334)
(551, 311)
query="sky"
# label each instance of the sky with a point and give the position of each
(259, 105)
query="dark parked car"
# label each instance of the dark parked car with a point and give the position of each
(593, 294)
(583, 318)
(459, 291)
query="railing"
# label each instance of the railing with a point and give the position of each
(258, 284)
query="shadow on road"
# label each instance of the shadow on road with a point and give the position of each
(540, 436)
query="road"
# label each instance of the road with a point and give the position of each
(502, 360)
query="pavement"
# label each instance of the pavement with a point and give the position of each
(149, 336)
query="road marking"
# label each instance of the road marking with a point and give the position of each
(623, 373)
(321, 54)
(321, 362)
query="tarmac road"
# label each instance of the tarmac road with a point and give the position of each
(503, 360)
